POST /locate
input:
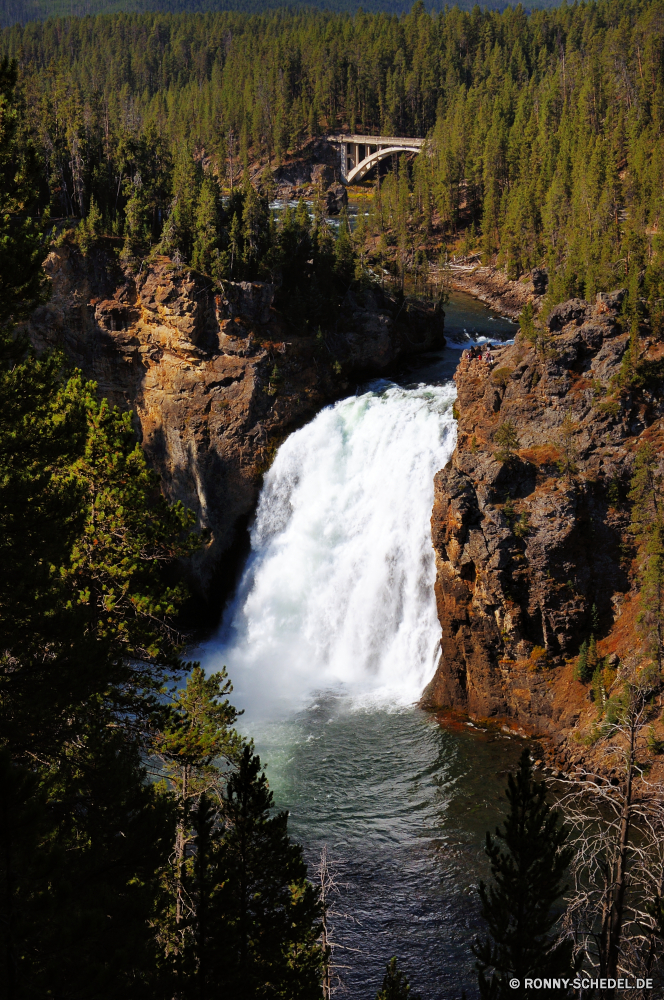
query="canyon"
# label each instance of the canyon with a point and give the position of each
(217, 380)
(214, 375)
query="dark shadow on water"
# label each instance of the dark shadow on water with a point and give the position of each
(403, 806)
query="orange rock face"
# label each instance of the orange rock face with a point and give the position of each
(525, 547)
(195, 362)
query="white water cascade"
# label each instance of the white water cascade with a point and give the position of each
(337, 593)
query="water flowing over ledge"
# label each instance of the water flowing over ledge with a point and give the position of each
(337, 593)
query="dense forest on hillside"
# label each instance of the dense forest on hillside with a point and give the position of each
(140, 852)
(20, 11)
(546, 129)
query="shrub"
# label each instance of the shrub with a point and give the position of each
(501, 376)
(507, 440)
(584, 665)
(567, 463)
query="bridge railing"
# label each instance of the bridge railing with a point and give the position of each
(377, 140)
(358, 153)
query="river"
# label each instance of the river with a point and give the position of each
(329, 640)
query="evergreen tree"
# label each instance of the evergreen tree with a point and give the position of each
(507, 440)
(137, 228)
(527, 323)
(255, 230)
(344, 253)
(395, 984)
(647, 525)
(180, 230)
(581, 672)
(528, 858)
(205, 255)
(197, 740)
(82, 847)
(90, 227)
(265, 917)
(21, 248)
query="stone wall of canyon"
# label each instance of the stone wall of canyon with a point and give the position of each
(524, 550)
(214, 376)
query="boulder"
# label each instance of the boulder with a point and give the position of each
(336, 197)
(540, 279)
(573, 311)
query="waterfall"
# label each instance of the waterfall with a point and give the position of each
(337, 593)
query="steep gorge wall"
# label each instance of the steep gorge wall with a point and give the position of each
(523, 552)
(195, 363)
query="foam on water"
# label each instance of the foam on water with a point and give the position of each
(337, 594)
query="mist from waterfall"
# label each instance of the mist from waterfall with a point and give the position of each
(337, 593)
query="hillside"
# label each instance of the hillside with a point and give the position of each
(22, 11)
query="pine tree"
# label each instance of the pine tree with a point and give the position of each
(194, 745)
(82, 848)
(507, 440)
(566, 437)
(137, 221)
(265, 916)
(593, 656)
(395, 984)
(90, 227)
(180, 229)
(647, 525)
(344, 252)
(527, 323)
(22, 283)
(581, 670)
(528, 858)
(205, 255)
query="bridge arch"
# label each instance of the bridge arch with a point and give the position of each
(359, 153)
(363, 168)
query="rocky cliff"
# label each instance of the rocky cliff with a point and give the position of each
(528, 544)
(213, 374)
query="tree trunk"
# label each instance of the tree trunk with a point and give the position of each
(179, 844)
(618, 894)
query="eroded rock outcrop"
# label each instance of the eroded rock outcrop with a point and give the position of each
(213, 374)
(525, 548)
(315, 172)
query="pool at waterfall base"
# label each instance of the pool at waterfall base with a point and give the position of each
(329, 640)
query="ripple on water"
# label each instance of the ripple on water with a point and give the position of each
(402, 806)
(329, 640)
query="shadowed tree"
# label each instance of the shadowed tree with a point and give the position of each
(529, 857)
(395, 984)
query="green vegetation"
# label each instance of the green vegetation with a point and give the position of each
(536, 334)
(528, 858)
(139, 853)
(545, 132)
(647, 526)
(507, 440)
(395, 984)
(566, 440)
(36, 10)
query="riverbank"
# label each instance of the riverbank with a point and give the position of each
(490, 285)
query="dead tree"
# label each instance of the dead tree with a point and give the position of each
(327, 878)
(618, 829)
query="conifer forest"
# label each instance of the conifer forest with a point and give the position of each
(144, 852)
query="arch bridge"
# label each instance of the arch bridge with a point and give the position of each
(359, 153)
